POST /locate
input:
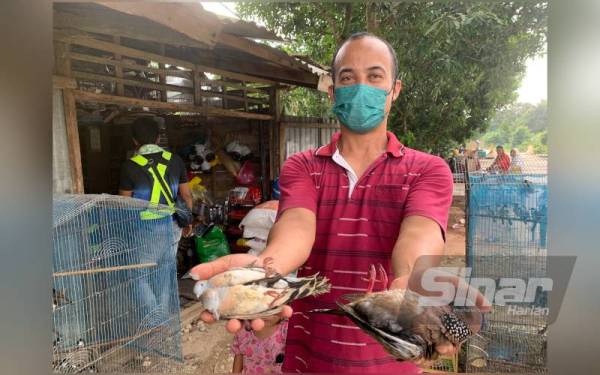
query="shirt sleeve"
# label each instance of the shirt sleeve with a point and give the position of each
(431, 195)
(296, 185)
(126, 180)
(181, 168)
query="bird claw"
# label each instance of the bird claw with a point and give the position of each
(383, 278)
(268, 266)
(276, 296)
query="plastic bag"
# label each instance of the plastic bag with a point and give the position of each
(211, 245)
(247, 174)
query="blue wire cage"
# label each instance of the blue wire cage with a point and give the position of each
(507, 238)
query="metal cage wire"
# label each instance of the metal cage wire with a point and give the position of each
(506, 238)
(114, 286)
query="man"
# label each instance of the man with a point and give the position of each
(516, 162)
(362, 199)
(158, 185)
(158, 176)
(502, 161)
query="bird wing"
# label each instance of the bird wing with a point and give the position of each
(250, 300)
(236, 276)
(394, 345)
(395, 318)
(255, 300)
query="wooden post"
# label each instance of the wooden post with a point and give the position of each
(70, 110)
(119, 69)
(197, 86)
(63, 67)
(245, 84)
(276, 140)
(162, 77)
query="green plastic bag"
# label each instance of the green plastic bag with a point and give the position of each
(212, 245)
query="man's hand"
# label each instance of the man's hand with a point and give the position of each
(481, 303)
(187, 231)
(205, 271)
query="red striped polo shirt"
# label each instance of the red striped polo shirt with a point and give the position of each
(352, 233)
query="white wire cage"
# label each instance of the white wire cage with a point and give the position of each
(115, 305)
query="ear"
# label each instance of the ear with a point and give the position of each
(397, 89)
(331, 93)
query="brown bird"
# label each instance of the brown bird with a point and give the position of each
(407, 328)
(253, 292)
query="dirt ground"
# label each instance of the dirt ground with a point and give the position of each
(206, 348)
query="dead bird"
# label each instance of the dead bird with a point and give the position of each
(253, 292)
(403, 323)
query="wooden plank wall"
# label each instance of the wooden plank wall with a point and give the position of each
(298, 134)
(121, 73)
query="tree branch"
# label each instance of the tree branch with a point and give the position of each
(347, 22)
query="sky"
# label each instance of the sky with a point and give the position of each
(534, 86)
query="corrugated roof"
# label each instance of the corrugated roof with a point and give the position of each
(188, 25)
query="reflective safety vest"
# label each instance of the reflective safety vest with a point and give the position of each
(159, 186)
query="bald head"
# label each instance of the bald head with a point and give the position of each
(371, 42)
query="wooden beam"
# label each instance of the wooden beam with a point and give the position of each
(84, 96)
(197, 88)
(238, 86)
(97, 19)
(119, 69)
(274, 147)
(88, 41)
(235, 75)
(61, 82)
(130, 65)
(256, 68)
(62, 63)
(281, 146)
(259, 50)
(318, 125)
(70, 111)
(189, 19)
(130, 82)
(233, 97)
(162, 77)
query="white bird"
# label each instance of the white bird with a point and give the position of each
(253, 292)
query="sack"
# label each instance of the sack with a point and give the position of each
(262, 216)
(211, 245)
(254, 232)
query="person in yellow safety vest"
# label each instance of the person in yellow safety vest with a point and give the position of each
(153, 173)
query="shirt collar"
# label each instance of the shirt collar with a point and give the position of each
(394, 147)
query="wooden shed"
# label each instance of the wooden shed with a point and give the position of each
(203, 75)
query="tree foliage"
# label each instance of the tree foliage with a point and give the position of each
(459, 61)
(518, 126)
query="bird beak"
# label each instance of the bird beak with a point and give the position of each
(188, 275)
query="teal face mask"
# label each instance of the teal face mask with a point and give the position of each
(360, 107)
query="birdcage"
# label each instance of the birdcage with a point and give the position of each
(114, 287)
(444, 364)
(506, 238)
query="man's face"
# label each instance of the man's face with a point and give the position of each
(500, 151)
(366, 61)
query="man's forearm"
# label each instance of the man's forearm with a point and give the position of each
(419, 236)
(291, 240)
